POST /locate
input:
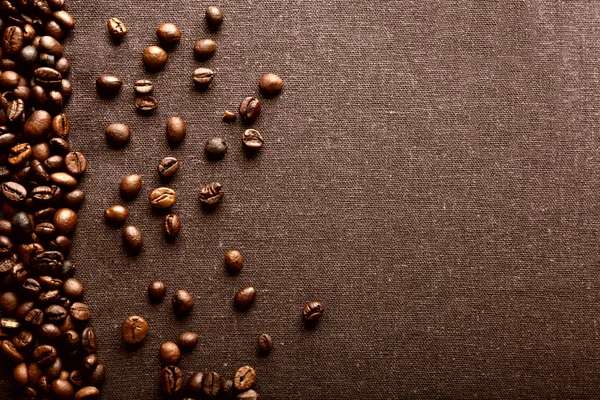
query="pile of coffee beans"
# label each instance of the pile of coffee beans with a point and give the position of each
(44, 332)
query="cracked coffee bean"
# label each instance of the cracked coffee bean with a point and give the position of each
(250, 109)
(229, 116)
(211, 194)
(171, 225)
(245, 377)
(167, 167)
(312, 311)
(162, 198)
(143, 87)
(146, 104)
(252, 139)
(116, 28)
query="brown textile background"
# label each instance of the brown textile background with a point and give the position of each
(430, 173)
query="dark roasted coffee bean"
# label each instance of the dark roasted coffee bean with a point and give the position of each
(312, 311)
(55, 313)
(24, 309)
(244, 378)
(203, 76)
(162, 197)
(74, 199)
(234, 261)
(143, 87)
(34, 317)
(28, 55)
(45, 355)
(44, 230)
(250, 109)
(15, 110)
(8, 140)
(50, 283)
(87, 393)
(211, 384)
(169, 353)
(229, 116)
(13, 191)
(61, 125)
(171, 225)
(168, 34)
(215, 148)
(29, 251)
(244, 297)
(76, 378)
(88, 340)
(90, 361)
(76, 163)
(132, 237)
(116, 215)
(117, 135)
(47, 60)
(108, 85)
(38, 125)
(211, 194)
(270, 85)
(65, 221)
(194, 384)
(154, 58)
(80, 312)
(62, 389)
(130, 186)
(146, 104)
(116, 28)
(10, 352)
(59, 146)
(9, 302)
(47, 77)
(204, 49)
(5, 227)
(134, 329)
(49, 45)
(63, 66)
(167, 167)
(156, 291)
(6, 246)
(64, 19)
(21, 224)
(228, 390)
(176, 130)
(50, 296)
(252, 139)
(31, 287)
(214, 17)
(182, 302)
(63, 180)
(40, 175)
(248, 395)
(171, 380)
(97, 376)
(49, 333)
(265, 343)
(54, 163)
(23, 340)
(13, 40)
(187, 341)
(73, 289)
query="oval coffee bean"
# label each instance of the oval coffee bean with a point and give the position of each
(117, 135)
(250, 109)
(245, 377)
(154, 58)
(63, 180)
(132, 237)
(182, 302)
(61, 125)
(48, 262)
(214, 17)
(211, 384)
(64, 19)
(15, 110)
(194, 384)
(203, 76)
(51, 46)
(312, 311)
(215, 148)
(176, 130)
(38, 125)
(116, 215)
(10, 352)
(13, 40)
(146, 104)
(157, 291)
(270, 85)
(134, 329)
(80, 312)
(65, 221)
(169, 353)
(211, 194)
(47, 77)
(130, 186)
(13, 191)
(162, 198)
(76, 163)
(265, 343)
(19, 154)
(44, 355)
(108, 85)
(187, 341)
(143, 87)
(171, 225)
(171, 380)
(204, 49)
(116, 28)
(87, 393)
(244, 298)
(234, 261)
(168, 34)
(88, 340)
(167, 167)
(252, 139)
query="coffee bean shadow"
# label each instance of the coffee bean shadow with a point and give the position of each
(232, 273)
(160, 212)
(250, 154)
(210, 209)
(310, 325)
(201, 87)
(132, 348)
(179, 316)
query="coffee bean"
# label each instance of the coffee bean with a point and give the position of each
(62, 389)
(265, 343)
(50, 283)
(228, 390)
(13, 191)
(215, 148)
(65, 221)
(28, 55)
(116, 215)
(187, 341)
(49, 333)
(97, 376)
(19, 154)
(9, 302)
(45, 355)
(116, 28)
(203, 76)
(250, 109)
(162, 198)
(182, 302)
(55, 313)
(143, 87)
(80, 312)
(244, 298)
(171, 225)
(38, 125)
(10, 352)
(87, 393)
(157, 291)
(146, 104)
(211, 194)
(61, 125)
(8, 324)
(211, 384)
(248, 395)
(59, 146)
(15, 110)
(204, 49)
(48, 78)
(312, 311)
(130, 186)
(13, 40)
(51, 46)
(47, 262)
(76, 163)
(21, 224)
(214, 17)
(154, 58)
(90, 361)
(21, 375)
(168, 34)
(88, 340)
(63, 66)
(171, 380)
(64, 180)
(64, 19)
(244, 378)
(229, 116)
(134, 329)
(76, 378)
(167, 167)
(176, 130)
(270, 85)
(35, 317)
(234, 261)
(117, 135)
(74, 199)
(252, 139)
(194, 384)
(108, 85)
(73, 289)
(169, 353)
(132, 237)
(23, 340)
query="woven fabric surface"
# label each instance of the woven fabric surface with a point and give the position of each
(430, 174)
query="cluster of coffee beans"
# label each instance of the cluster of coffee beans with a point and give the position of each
(43, 321)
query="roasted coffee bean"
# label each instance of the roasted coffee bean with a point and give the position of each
(194, 384)
(48, 78)
(248, 395)
(116, 28)
(21, 224)
(265, 343)
(154, 58)
(74, 199)
(44, 355)
(167, 167)
(130, 186)
(214, 17)
(20, 374)
(146, 104)
(15, 110)
(9, 80)
(50, 283)
(116, 215)
(10, 352)
(211, 194)
(60, 243)
(97, 376)
(47, 60)
(229, 116)
(244, 378)
(234, 261)
(162, 198)
(63, 66)
(168, 34)
(252, 139)
(76, 163)
(134, 329)
(8, 140)
(187, 341)
(13, 191)
(28, 55)
(50, 296)
(270, 85)
(312, 311)
(73, 289)
(68, 269)
(143, 87)
(215, 148)
(108, 85)
(176, 130)
(132, 237)
(19, 154)
(62, 389)
(54, 163)
(59, 146)
(70, 342)
(182, 302)
(250, 109)
(5, 227)
(24, 309)
(9, 302)
(63, 180)
(211, 384)
(29, 251)
(55, 313)
(169, 353)
(38, 125)
(88, 341)
(204, 49)
(171, 225)
(8, 324)
(157, 291)
(61, 125)
(80, 312)
(44, 230)
(117, 135)
(48, 333)
(203, 76)
(65, 221)
(244, 298)
(32, 288)
(171, 380)
(53, 370)
(228, 390)
(6, 246)
(49, 45)
(40, 175)
(76, 378)
(13, 40)
(64, 19)
(87, 393)
(90, 361)
(23, 340)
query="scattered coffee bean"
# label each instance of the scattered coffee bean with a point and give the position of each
(312, 311)
(130, 186)
(211, 194)
(108, 85)
(146, 104)
(244, 378)
(182, 302)
(176, 130)
(204, 49)
(234, 261)
(214, 17)
(117, 135)
(80, 312)
(171, 380)
(88, 341)
(143, 87)
(169, 353)
(157, 291)
(168, 34)
(229, 116)
(134, 329)
(162, 198)
(171, 225)
(195, 383)
(154, 58)
(187, 341)
(270, 85)
(250, 109)
(248, 395)
(203, 76)
(211, 384)
(252, 139)
(116, 215)
(116, 28)
(65, 221)
(132, 237)
(215, 148)
(265, 343)
(244, 298)
(167, 167)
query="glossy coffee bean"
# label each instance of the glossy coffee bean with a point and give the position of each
(168, 34)
(9, 352)
(176, 130)
(195, 383)
(214, 17)
(169, 353)
(134, 329)
(89, 341)
(87, 393)
(203, 76)
(252, 139)
(229, 116)
(116, 215)
(215, 148)
(248, 395)
(117, 135)
(171, 225)
(76, 163)
(154, 58)
(234, 261)
(157, 291)
(64, 180)
(265, 343)
(244, 298)
(250, 109)
(73, 288)
(204, 49)
(312, 311)
(211, 194)
(61, 125)
(245, 377)
(21, 375)
(37, 126)
(63, 389)
(162, 198)
(80, 312)
(171, 380)
(182, 302)
(187, 341)
(130, 186)
(108, 85)
(143, 87)
(270, 85)
(9, 302)
(146, 104)
(74, 199)
(45, 355)
(211, 384)
(116, 28)
(90, 362)
(97, 376)
(167, 167)
(132, 237)
(65, 221)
